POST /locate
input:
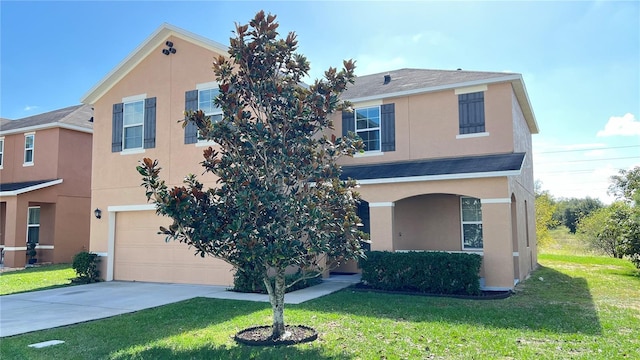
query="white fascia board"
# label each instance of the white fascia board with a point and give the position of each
(501, 79)
(140, 207)
(158, 37)
(30, 188)
(45, 127)
(439, 177)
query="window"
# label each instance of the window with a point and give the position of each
(471, 210)
(205, 103)
(376, 126)
(368, 127)
(471, 112)
(1, 152)
(33, 225)
(133, 123)
(29, 142)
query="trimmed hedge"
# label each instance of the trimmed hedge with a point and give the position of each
(250, 281)
(427, 272)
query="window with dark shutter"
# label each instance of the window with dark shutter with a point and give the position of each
(116, 128)
(149, 123)
(348, 122)
(471, 113)
(191, 104)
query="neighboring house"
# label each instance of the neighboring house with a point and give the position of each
(45, 194)
(434, 177)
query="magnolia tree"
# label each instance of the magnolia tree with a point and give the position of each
(279, 201)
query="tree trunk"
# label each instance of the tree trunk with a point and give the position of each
(276, 297)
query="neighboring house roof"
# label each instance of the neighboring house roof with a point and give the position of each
(437, 169)
(156, 39)
(76, 117)
(405, 82)
(13, 189)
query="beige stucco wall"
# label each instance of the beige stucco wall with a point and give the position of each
(115, 179)
(427, 126)
(45, 157)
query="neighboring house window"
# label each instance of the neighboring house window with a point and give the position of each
(1, 152)
(375, 125)
(33, 225)
(134, 124)
(29, 143)
(201, 99)
(471, 210)
(471, 112)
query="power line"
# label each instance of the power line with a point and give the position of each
(587, 149)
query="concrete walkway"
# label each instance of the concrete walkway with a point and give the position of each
(39, 310)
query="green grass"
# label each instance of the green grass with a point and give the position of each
(565, 243)
(575, 306)
(36, 278)
(583, 308)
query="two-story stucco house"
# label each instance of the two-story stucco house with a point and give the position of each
(447, 166)
(45, 190)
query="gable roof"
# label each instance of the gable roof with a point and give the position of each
(466, 167)
(76, 118)
(405, 82)
(156, 39)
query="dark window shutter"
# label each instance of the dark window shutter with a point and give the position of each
(191, 104)
(150, 123)
(348, 122)
(388, 127)
(116, 128)
(471, 112)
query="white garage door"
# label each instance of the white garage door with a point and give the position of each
(143, 255)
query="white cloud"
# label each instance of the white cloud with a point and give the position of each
(372, 64)
(29, 108)
(626, 125)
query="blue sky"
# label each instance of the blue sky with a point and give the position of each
(580, 60)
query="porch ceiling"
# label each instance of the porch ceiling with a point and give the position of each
(497, 164)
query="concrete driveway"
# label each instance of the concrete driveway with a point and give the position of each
(39, 310)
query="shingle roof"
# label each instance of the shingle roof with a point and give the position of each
(437, 167)
(414, 79)
(73, 116)
(22, 185)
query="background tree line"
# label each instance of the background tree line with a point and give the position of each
(610, 229)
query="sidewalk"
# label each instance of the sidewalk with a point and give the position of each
(39, 310)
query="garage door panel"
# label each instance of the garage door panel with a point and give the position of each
(141, 254)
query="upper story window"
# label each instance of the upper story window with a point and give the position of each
(29, 145)
(1, 152)
(205, 103)
(471, 112)
(201, 99)
(471, 210)
(133, 124)
(375, 125)
(368, 127)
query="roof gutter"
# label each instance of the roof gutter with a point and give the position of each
(30, 188)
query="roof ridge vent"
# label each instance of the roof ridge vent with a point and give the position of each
(387, 79)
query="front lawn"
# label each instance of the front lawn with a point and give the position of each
(573, 307)
(36, 278)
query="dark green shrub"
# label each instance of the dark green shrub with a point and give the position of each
(86, 266)
(250, 281)
(428, 272)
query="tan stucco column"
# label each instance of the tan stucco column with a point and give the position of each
(497, 244)
(15, 237)
(381, 219)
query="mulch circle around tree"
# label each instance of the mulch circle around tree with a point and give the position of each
(261, 336)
